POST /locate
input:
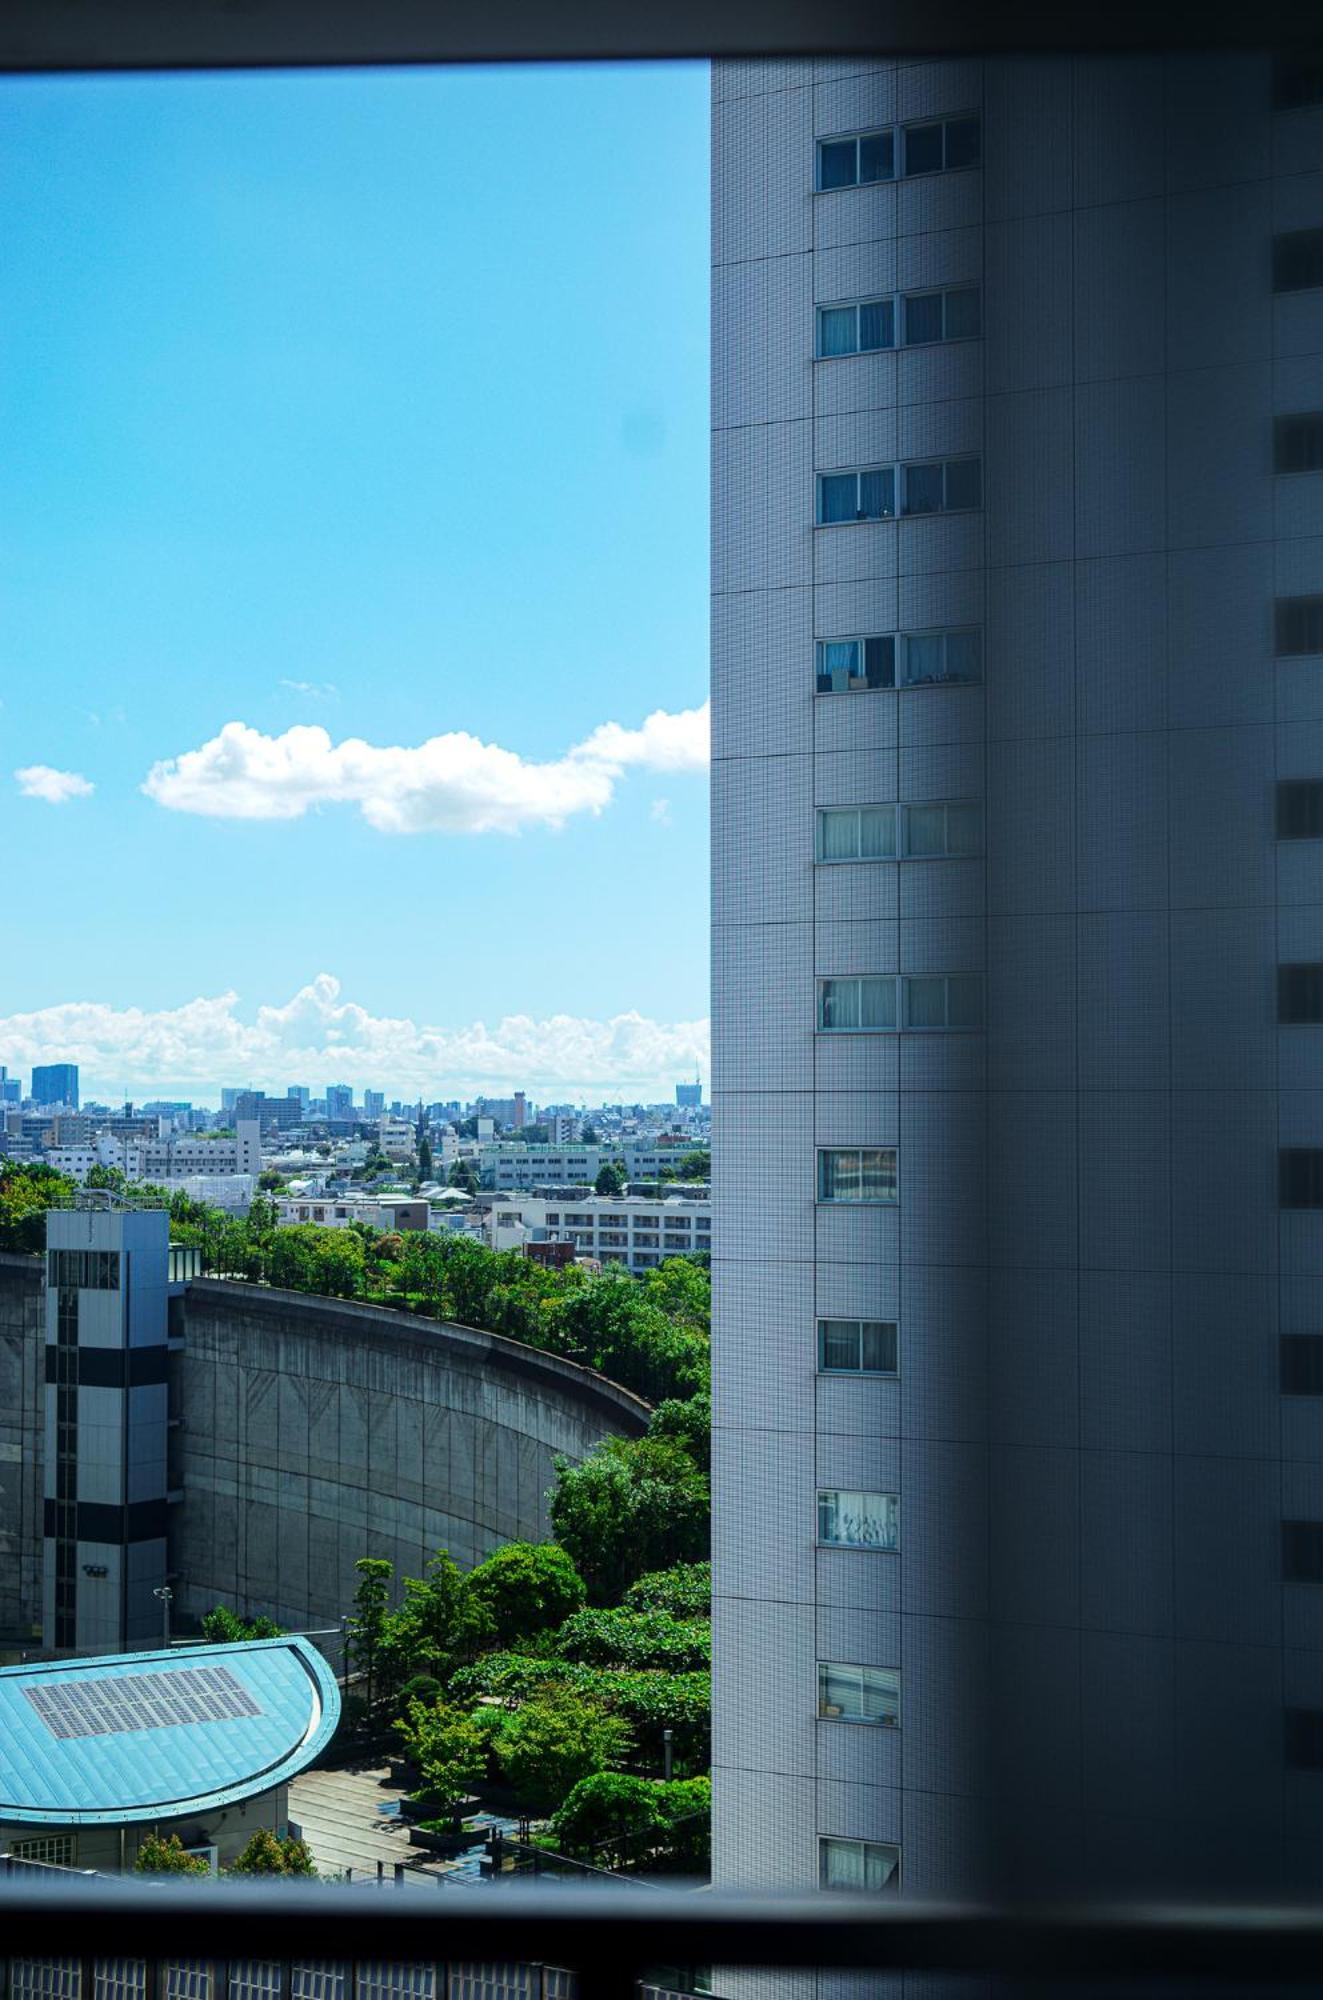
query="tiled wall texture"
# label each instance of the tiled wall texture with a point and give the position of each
(1087, 1260)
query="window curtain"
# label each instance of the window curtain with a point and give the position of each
(838, 836)
(837, 331)
(877, 325)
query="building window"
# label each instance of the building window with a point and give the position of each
(943, 1000)
(1300, 809)
(859, 1174)
(1303, 1735)
(845, 666)
(1297, 80)
(1300, 1177)
(857, 833)
(86, 1270)
(941, 145)
(857, 1006)
(863, 327)
(1297, 260)
(859, 1694)
(859, 1520)
(56, 1850)
(949, 314)
(1302, 1364)
(868, 1865)
(928, 658)
(868, 495)
(858, 1347)
(1299, 626)
(1302, 1551)
(868, 326)
(857, 160)
(1299, 993)
(929, 486)
(942, 486)
(942, 832)
(1298, 443)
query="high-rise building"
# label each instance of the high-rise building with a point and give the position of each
(55, 1083)
(299, 1090)
(689, 1096)
(1018, 974)
(374, 1103)
(11, 1087)
(339, 1100)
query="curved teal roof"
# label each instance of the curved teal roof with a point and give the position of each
(148, 1736)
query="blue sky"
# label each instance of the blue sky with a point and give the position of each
(372, 404)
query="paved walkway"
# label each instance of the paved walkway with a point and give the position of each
(343, 1821)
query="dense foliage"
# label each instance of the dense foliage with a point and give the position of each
(685, 1591)
(270, 1853)
(449, 1748)
(525, 1588)
(635, 1639)
(223, 1627)
(26, 1192)
(618, 1821)
(167, 1856)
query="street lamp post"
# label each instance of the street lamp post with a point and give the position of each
(165, 1594)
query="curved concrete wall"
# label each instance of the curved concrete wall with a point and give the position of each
(312, 1432)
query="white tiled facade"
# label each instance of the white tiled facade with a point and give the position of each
(1086, 1262)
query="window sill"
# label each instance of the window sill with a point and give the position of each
(859, 1548)
(866, 1374)
(880, 1202)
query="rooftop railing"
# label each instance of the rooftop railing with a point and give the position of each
(77, 1938)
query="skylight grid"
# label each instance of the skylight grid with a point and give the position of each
(127, 1702)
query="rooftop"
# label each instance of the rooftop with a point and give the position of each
(144, 1736)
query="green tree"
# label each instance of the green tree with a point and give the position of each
(591, 1136)
(630, 1507)
(424, 1159)
(270, 1181)
(366, 1625)
(612, 1178)
(620, 1638)
(223, 1627)
(688, 1423)
(437, 1627)
(696, 1166)
(157, 1856)
(268, 1853)
(464, 1174)
(622, 1821)
(552, 1740)
(526, 1587)
(26, 1192)
(685, 1591)
(450, 1749)
(110, 1178)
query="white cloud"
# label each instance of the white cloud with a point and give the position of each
(449, 784)
(660, 810)
(42, 781)
(318, 1037)
(318, 690)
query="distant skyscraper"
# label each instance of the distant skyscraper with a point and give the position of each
(228, 1096)
(55, 1083)
(1018, 975)
(688, 1095)
(520, 1111)
(299, 1090)
(11, 1087)
(339, 1100)
(374, 1103)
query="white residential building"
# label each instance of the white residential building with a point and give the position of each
(627, 1229)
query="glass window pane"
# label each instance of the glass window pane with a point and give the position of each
(923, 318)
(923, 149)
(925, 830)
(962, 314)
(840, 1691)
(838, 663)
(877, 494)
(877, 324)
(964, 656)
(837, 160)
(877, 1174)
(841, 1864)
(879, 1695)
(877, 156)
(838, 1345)
(877, 833)
(877, 1002)
(838, 835)
(880, 662)
(839, 1175)
(879, 1347)
(964, 484)
(962, 142)
(924, 657)
(964, 1000)
(923, 489)
(838, 1004)
(838, 330)
(925, 1002)
(964, 829)
(838, 496)
(881, 1865)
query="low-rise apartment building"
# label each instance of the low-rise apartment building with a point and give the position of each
(623, 1229)
(507, 1164)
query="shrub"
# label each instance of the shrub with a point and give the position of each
(524, 1588)
(449, 1748)
(621, 1821)
(555, 1738)
(648, 1702)
(223, 1627)
(684, 1590)
(270, 1853)
(167, 1857)
(636, 1639)
(630, 1507)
